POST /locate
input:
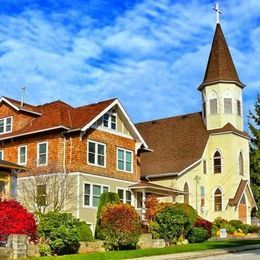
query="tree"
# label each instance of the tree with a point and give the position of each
(48, 190)
(254, 126)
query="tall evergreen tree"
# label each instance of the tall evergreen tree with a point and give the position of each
(254, 126)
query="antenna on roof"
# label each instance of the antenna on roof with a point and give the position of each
(23, 95)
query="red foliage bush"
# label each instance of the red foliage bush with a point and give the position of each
(15, 219)
(120, 226)
(153, 206)
(200, 222)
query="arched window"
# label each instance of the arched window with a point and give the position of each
(186, 196)
(217, 162)
(218, 200)
(241, 164)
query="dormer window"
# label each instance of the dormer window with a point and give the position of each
(109, 121)
(6, 125)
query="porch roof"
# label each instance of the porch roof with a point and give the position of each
(157, 189)
(11, 166)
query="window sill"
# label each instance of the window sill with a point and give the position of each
(96, 165)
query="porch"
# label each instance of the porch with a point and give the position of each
(144, 189)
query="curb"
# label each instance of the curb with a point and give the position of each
(200, 254)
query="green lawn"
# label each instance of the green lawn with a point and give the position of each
(156, 251)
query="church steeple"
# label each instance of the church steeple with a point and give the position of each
(221, 89)
(220, 67)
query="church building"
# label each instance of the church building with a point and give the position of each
(205, 154)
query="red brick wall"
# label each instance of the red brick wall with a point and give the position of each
(20, 119)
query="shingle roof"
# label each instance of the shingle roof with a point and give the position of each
(239, 193)
(58, 114)
(220, 65)
(177, 143)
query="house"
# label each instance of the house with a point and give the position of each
(73, 154)
(8, 177)
(205, 154)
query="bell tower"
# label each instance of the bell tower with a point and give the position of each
(221, 89)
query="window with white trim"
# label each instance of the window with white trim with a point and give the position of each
(125, 196)
(96, 153)
(1, 154)
(42, 154)
(22, 154)
(109, 121)
(92, 194)
(124, 160)
(6, 125)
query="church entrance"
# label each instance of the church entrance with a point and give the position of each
(242, 209)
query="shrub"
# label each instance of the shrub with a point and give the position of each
(190, 213)
(85, 234)
(197, 234)
(120, 225)
(245, 228)
(153, 206)
(61, 230)
(44, 250)
(230, 229)
(105, 198)
(200, 222)
(172, 223)
(15, 219)
(219, 222)
(255, 229)
(236, 223)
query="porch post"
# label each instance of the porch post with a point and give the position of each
(143, 203)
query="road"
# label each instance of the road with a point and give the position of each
(247, 255)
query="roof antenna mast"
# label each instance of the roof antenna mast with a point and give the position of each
(218, 12)
(23, 95)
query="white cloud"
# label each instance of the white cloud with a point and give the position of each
(152, 57)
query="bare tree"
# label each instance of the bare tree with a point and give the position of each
(47, 190)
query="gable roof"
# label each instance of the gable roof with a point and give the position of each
(240, 190)
(17, 106)
(177, 142)
(220, 67)
(60, 115)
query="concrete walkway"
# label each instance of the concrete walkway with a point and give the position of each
(201, 254)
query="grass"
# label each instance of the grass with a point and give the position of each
(112, 255)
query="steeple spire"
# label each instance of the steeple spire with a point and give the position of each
(220, 67)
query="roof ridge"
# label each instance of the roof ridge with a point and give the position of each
(170, 117)
(93, 104)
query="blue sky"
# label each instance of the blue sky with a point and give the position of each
(150, 54)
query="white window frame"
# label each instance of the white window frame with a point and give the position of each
(5, 119)
(132, 161)
(96, 154)
(91, 193)
(38, 150)
(3, 154)
(110, 121)
(222, 161)
(19, 154)
(124, 195)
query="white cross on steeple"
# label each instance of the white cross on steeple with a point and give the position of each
(216, 8)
